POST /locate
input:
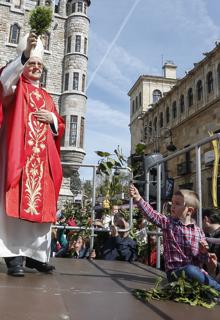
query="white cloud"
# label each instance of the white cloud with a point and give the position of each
(101, 114)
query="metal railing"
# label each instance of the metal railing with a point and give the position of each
(93, 228)
(197, 148)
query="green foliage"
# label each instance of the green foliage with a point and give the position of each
(140, 148)
(181, 290)
(40, 19)
(107, 163)
(81, 215)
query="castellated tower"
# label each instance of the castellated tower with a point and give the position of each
(66, 59)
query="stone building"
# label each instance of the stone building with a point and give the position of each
(66, 58)
(184, 115)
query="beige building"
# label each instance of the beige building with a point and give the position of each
(66, 59)
(185, 115)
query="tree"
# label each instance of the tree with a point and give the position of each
(75, 183)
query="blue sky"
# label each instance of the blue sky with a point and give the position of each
(129, 38)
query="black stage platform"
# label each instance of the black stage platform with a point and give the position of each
(89, 290)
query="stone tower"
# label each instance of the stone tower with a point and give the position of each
(66, 58)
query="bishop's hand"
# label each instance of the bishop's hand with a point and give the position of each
(44, 116)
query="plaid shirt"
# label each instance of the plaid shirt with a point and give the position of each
(181, 242)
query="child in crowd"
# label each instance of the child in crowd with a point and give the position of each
(181, 236)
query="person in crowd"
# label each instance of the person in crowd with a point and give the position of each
(119, 246)
(30, 171)
(181, 236)
(211, 226)
(108, 219)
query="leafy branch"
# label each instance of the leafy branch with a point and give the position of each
(40, 19)
(181, 290)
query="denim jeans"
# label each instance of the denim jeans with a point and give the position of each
(194, 273)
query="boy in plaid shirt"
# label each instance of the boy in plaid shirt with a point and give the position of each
(181, 236)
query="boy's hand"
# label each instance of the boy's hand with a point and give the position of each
(203, 247)
(134, 193)
(212, 264)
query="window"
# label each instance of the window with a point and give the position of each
(73, 7)
(62, 142)
(182, 103)
(155, 124)
(199, 90)
(14, 33)
(66, 82)
(140, 99)
(80, 6)
(78, 44)
(46, 40)
(161, 120)
(73, 131)
(57, 6)
(85, 7)
(218, 75)
(174, 110)
(150, 128)
(167, 115)
(43, 79)
(133, 107)
(85, 45)
(190, 97)
(156, 95)
(17, 3)
(75, 80)
(47, 3)
(82, 132)
(69, 43)
(145, 132)
(209, 82)
(83, 82)
(136, 101)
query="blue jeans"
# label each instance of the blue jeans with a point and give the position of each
(194, 273)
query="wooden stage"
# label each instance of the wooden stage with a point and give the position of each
(89, 290)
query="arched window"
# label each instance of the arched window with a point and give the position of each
(199, 90)
(14, 33)
(190, 97)
(167, 115)
(161, 120)
(156, 95)
(174, 110)
(182, 103)
(218, 75)
(209, 82)
(155, 124)
(46, 40)
(43, 79)
(78, 44)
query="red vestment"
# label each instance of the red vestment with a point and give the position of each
(33, 172)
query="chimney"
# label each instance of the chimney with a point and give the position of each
(169, 70)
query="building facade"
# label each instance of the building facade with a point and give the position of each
(186, 114)
(66, 59)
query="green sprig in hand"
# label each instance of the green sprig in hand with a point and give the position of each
(40, 19)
